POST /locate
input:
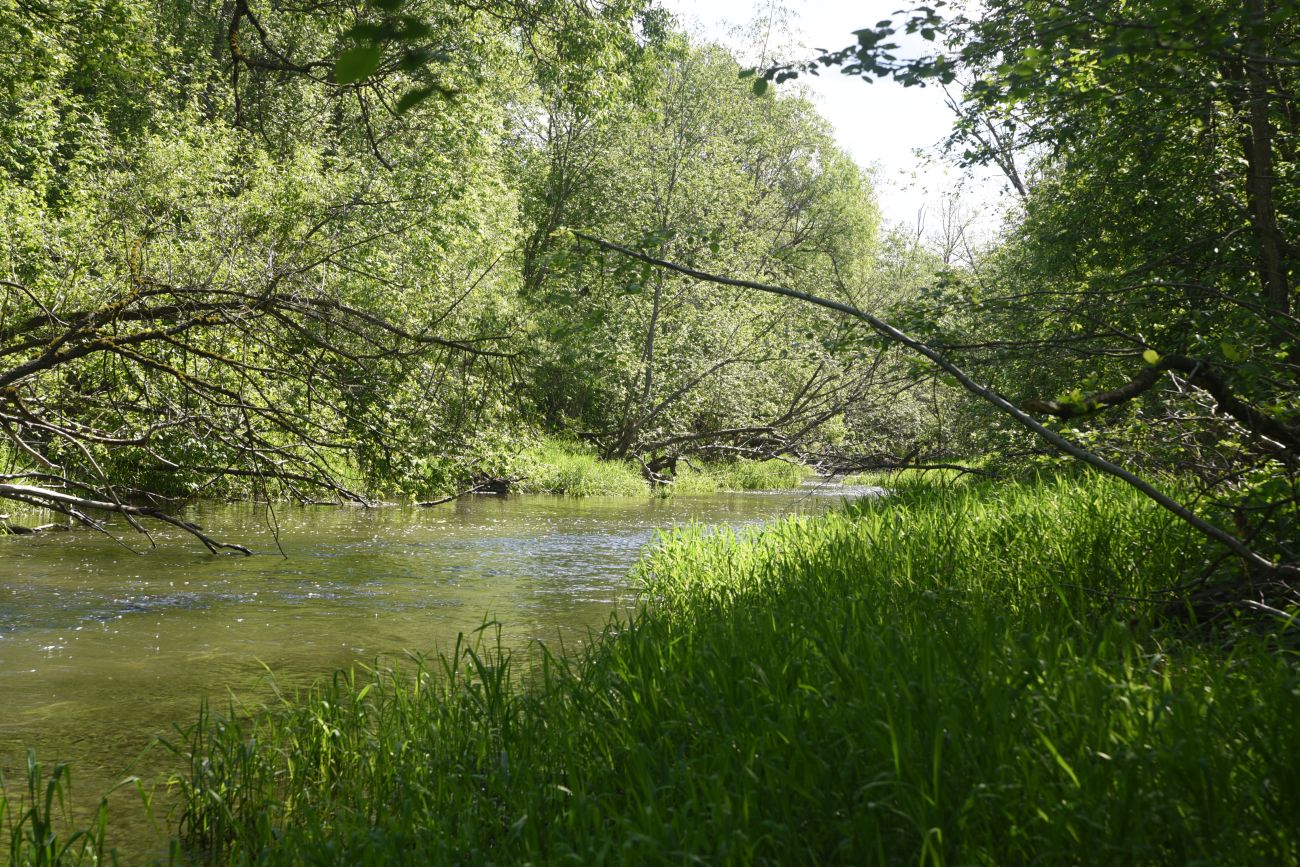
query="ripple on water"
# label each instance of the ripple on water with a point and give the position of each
(145, 603)
(103, 648)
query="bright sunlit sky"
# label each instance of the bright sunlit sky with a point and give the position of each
(882, 124)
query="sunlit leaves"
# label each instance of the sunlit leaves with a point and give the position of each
(716, 197)
(1232, 351)
(876, 53)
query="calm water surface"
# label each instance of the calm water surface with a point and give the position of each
(101, 649)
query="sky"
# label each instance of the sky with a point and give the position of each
(881, 124)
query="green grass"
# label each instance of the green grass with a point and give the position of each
(33, 819)
(896, 479)
(572, 469)
(13, 511)
(22, 515)
(767, 475)
(943, 676)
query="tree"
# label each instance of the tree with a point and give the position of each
(659, 368)
(228, 271)
(1154, 244)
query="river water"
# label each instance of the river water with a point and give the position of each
(102, 648)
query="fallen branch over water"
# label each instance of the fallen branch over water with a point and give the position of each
(8, 528)
(76, 508)
(486, 486)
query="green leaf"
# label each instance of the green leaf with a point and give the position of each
(760, 86)
(356, 64)
(1232, 351)
(365, 32)
(1060, 760)
(412, 98)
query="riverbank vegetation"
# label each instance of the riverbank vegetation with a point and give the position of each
(341, 253)
(951, 675)
(572, 469)
(231, 271)
(410, 249)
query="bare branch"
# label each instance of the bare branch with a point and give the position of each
(59, 501)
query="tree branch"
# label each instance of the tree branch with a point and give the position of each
(1197, 373)
(69, 504)
(986, 393)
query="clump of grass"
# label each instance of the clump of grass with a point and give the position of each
(697, 479)
(15, 516)
(769, 475)
(36, 823)
(573, 469)
(895, 479)
(759, 475)
(943, 676)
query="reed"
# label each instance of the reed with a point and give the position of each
(35, 822)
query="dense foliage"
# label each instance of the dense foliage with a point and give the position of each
(1156, 240)
(342, 251)
(203, 268)
(256, 249)
(1144, 290)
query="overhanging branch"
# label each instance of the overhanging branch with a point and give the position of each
(1197, 373)
(984, 392)
(75, 507)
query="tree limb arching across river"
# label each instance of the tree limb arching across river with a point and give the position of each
(1253, 560)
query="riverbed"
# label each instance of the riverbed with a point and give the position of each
(103, 648)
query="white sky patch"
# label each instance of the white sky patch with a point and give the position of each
(891, 129)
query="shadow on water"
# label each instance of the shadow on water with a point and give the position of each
(102, 649)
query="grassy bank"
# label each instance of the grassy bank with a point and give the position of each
(741, 475)
(946, 676)
(574, 469)
(14, 515)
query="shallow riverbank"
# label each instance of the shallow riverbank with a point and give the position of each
(101, 649)
(944, 676)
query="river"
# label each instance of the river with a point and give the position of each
(103, 648)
